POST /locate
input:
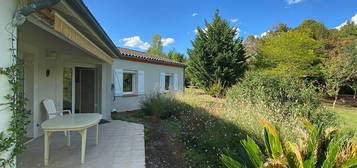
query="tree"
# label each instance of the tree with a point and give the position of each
(277, 29)
(290, 53)
(340, 69)
(349, 29)
(156, 46)
(251, 46)
(318, 30)
(353, 85)
(217, 56)
(176, 56)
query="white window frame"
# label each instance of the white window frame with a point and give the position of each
(134, 81)
(170, 82)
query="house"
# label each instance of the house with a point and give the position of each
(143, 74)
(69, 58)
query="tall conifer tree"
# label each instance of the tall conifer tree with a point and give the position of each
(217, 56)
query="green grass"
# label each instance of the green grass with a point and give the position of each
(347, 114)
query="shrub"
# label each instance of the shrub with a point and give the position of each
(326, 148)
(217, 89)
(205, 131)
(162, 106)
(281, 100)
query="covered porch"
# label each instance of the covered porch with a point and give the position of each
(121, 145)
(57, 68)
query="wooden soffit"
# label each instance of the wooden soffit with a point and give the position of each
(64, 27)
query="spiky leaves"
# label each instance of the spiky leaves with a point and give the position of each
(273, 145)
(231, 163)
(312, 143)
(293, 155)
(334, 147)
(255, 155)
(323, 149)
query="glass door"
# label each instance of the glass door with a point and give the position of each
(68, 89)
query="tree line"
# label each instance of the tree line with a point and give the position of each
(312, 52)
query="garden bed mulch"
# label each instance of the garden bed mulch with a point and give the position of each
(163, 149)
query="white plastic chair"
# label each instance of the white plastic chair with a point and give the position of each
(51, 110)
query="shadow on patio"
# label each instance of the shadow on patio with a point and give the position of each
(121, 145)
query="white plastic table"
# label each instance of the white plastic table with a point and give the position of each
(71, 122)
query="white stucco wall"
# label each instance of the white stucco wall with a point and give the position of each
(7, 9)
(151, 79)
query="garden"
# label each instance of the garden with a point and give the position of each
(286, 99)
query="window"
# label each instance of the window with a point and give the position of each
(67, 88)
(128, 82)
(168, 82)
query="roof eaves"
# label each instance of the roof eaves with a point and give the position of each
(152, 60)
(83, 11)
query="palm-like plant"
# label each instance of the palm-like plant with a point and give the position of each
(325, 148)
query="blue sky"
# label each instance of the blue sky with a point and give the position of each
(132, 23)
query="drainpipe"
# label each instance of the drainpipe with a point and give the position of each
(21, 14)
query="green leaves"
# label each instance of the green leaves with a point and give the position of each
(12, 139)
(272, 141)
(350, 163)
(334, 147)
(253, 151)
(322, 149)
(156, 46)
(217, 54)
(290, 53)
(231, 163)
(293, 155)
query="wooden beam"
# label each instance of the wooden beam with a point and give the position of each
(65, 28)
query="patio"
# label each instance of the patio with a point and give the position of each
(121, 145)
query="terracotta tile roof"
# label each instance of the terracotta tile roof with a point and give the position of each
(148, 57)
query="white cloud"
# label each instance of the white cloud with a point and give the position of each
(234, 20)
(264, 34)
(194, 14)
(341, 25)
(167, 41)
(196, 31)
(353, 19)
(238, 32)
(291, 2)
(136, 42)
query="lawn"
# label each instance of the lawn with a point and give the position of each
(347, 115)
(206, 130)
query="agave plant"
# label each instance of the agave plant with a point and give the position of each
(325, 148)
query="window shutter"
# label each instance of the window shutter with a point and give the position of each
(118, 82)
(175, 82)
(141, 82)
(162, 82)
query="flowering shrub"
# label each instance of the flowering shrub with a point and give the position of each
(205, 130)
(202, 127)
(280, 100)
(161, 106)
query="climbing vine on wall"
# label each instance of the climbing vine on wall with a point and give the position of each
(12, 140)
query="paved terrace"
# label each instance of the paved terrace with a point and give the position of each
(121, 145)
